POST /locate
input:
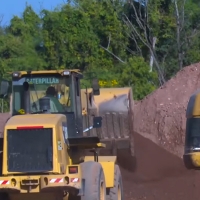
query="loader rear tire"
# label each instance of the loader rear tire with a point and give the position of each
(116, 193)
(95, 187)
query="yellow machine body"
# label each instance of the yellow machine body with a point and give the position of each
(115, 105)
(191, 155)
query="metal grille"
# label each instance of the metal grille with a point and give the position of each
(30, 150)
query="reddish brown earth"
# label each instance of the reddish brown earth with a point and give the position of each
(161, 115)
(160, 175)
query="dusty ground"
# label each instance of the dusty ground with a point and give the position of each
(161, 115)
(159, 176)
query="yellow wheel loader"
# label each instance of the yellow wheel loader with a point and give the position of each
(53, 143)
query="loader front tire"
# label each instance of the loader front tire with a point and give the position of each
(95, 187)
(116, 193)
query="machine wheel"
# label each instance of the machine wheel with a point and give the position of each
(95, 187)
(116, 193)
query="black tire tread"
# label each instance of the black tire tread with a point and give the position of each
(92, 172)
(113, 191)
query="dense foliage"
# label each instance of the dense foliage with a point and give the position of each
(124, 43)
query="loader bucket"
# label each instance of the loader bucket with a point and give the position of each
(115, 106)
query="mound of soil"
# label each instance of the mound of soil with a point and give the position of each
(161, 115)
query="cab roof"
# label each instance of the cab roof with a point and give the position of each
(61, 71)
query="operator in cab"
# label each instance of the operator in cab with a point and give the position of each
(55, 105)
(52, 94)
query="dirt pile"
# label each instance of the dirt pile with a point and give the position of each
(161, 115)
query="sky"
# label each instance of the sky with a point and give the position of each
(8, 8)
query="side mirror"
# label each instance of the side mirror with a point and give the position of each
(95, 87)
(4, 88)
(97, 122)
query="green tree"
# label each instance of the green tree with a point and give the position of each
(136, 74)
(69, 41)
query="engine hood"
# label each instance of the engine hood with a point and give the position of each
(45, 120)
